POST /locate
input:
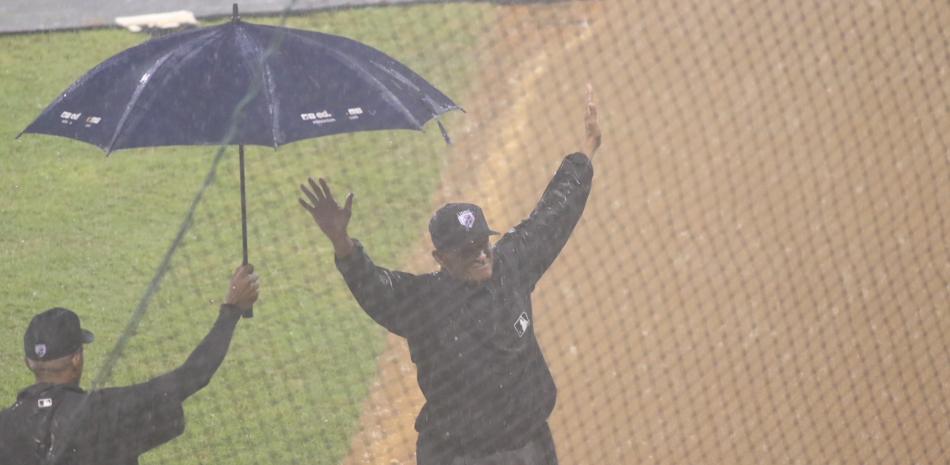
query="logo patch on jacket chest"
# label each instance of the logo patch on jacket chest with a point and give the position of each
(522, 323)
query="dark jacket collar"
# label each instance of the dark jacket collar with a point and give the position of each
(39, 388)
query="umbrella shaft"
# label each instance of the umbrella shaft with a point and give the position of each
(249, 313)
(243, 205)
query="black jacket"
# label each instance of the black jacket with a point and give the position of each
(486, 383)
(63, 425)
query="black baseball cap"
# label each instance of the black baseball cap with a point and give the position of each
(456, 224)
(53, 334)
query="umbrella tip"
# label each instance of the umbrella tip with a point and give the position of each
(234, 13)
(445, 134)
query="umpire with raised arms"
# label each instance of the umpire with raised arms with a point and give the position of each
(470, 325)
(55, 422)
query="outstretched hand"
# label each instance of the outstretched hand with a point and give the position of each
(328, 215)
(591, 125)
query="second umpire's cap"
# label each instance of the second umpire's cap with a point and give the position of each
(456, 224)
(53, 334)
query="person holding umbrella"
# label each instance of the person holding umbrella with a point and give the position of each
(55, 422)
(470, 325)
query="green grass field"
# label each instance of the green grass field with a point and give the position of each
(89, 232)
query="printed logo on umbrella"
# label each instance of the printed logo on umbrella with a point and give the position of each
(321, 117)
(354, 113)
(68, 117)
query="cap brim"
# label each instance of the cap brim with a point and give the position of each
(87, 336)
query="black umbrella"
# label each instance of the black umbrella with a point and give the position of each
(240, 83)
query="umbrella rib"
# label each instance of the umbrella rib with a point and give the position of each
(90, 75)
(143, 82)
(75, 85)
(390, 95)
(273, 103)
(361, 71)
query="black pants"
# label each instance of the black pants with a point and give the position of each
(538, 451)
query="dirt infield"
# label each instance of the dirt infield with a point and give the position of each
(762, 272)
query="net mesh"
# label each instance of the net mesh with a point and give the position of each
(761, 274)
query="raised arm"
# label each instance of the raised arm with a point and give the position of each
(387, 296)
(134, 419)
(538, 240)
(204, 361)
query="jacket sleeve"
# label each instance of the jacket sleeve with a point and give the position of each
(389, 297)
(538, 240)
(143, 416)
(129, 421)
(203, 362)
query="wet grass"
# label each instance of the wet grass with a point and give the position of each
(88, 232)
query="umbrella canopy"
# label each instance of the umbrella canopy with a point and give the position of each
(240, 83)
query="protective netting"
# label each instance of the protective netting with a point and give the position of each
(761, 275)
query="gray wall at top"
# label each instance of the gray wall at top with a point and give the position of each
(43, 15)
